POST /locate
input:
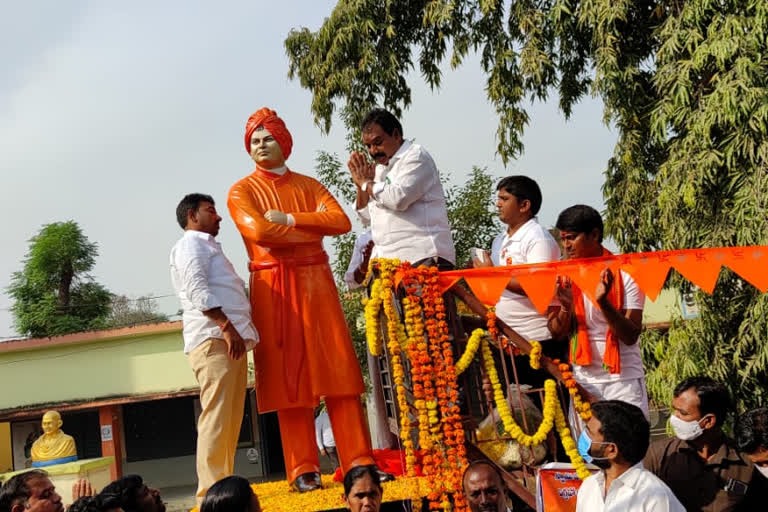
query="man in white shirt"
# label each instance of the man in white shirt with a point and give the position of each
(603, 337)
(403, 195)
(615, 440)
(324, 437)
(524, 241)
(218, 332)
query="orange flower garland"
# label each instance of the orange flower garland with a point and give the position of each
(421, 369)
(580, 405)
(448, 394)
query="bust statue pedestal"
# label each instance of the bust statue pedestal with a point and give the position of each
(64, 475)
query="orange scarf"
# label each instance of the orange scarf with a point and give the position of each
(581, 352)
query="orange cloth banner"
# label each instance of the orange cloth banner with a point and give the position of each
(649, 270)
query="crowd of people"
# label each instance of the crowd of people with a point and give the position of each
(700, 469)
(292, 321)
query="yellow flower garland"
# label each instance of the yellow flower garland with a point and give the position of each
(372, 307)
(473, 343)
(553, 413)
(550, 404)
(535, 355)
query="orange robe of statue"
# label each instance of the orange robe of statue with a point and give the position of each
(305, 351)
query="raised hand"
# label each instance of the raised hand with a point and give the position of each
(564, 293)
(604, 286)
(81, 488)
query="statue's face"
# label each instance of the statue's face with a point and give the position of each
(265, 150)
(51, 422)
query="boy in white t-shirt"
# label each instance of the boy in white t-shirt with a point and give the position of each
(603, 345)
(524, 241)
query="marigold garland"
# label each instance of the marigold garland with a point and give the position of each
(552, 407)
(372, 308)
(580, 405)
(424, 337)
(535, 355)
(473, 343)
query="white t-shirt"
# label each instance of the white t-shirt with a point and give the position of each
(597, 326)
(636, 490)
(531, 243)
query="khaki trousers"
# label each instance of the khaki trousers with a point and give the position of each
(222, 397)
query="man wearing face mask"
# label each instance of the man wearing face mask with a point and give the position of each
(616, 439)
(700, 464)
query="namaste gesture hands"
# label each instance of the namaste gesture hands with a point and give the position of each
(360, 168)
(564, 291)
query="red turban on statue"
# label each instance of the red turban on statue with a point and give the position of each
(268, 119)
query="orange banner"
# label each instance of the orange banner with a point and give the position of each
(648, 269)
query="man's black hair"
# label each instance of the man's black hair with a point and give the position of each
(230, 494)
(98, 503)
(125, 490)
(384, 118)
(16, 490)
(358, 472)
(624, 425)
(523, 187)
(190, 202)
(713, 396)
(752, 430)
(580, 218)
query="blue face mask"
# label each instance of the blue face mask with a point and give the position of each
(584, 445)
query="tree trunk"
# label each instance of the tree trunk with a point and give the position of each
(64, 286)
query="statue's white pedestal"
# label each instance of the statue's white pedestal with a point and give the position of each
(64, 475)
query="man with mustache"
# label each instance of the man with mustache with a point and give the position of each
(217, 333)
(401, 191)
(31, 491)
(484, 488)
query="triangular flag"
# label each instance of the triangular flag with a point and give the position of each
(649, 272)
(699, 267)
(586, 275)
(446, 283)
(539, 286)
(751, 263)
(488, 288)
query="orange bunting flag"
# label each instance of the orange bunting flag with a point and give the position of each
(539, 286)
(648, 269)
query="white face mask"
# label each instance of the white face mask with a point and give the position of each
(686, 430)
(763, 470)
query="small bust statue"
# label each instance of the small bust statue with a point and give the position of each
(54, 446)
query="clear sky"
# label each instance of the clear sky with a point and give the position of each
(111, 111)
